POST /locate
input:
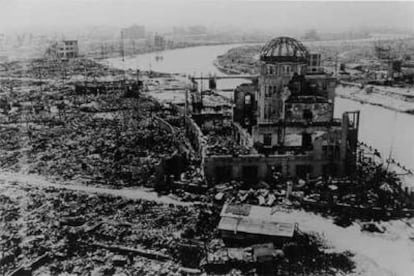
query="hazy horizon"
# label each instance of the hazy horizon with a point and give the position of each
(29, 15)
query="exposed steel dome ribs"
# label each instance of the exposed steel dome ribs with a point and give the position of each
(284, 49)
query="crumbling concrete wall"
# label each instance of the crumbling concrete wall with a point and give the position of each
(242, 136)
(176, 162)
(195, 136)
(165, 125)
(242, 167)
(319, 112)
(197, 140)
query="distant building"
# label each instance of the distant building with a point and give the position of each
(179, 30)
(197, 30)
(67, 49)
(395, 69)
(192, 30)
(159, 41)
(314, 64)
(134, 32)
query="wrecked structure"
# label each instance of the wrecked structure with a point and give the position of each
(251, 224)
(63, 50)
(211, 111)
(68, 49)
(286, 120)
(131, 87)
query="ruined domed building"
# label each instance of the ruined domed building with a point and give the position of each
(287, 118)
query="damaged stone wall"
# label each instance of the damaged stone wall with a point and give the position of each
(317, 112)
(256, 167)
(242, 136)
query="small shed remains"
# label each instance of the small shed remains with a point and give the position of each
(249, 224)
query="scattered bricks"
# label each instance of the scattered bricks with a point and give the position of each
(147, 225)
(222, 143)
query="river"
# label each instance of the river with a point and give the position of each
(391, 132)
(388, 131)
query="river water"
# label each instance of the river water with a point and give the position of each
(388, 131)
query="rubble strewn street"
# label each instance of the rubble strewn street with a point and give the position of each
(80, 231)
(87, 232)
(114, 143)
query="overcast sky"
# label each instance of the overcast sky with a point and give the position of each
(324, 16)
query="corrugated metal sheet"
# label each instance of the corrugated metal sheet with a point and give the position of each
(240, 210)
(256, 226)
(256, 212)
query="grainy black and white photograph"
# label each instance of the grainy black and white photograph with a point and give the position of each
(206, 137)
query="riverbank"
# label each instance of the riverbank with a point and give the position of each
(393, 98)
(158, 50)
(240, 60)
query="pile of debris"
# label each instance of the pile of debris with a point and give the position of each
(373, 193)
(10, 145)
(306, 250)
(92, 232)
(225, 145)
(105, 150)
(100, 139)
(54, 69)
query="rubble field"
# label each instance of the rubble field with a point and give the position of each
(221, 142)
(46, 69)
(101, 138)
(109, 139)
(83, 232)
(52, 231)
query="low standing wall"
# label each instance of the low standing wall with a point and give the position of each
(256, 166)
(195, 135)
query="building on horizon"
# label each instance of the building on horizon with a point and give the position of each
(134, 32)
(67, 49)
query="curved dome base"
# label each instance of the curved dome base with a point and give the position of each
(284, 49)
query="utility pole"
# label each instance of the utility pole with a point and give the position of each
(39, 72)
(186, 111)
(122, 46)
(137, 76)
(336, 64)
(85, 86)
(202, 84)
(102, 51)
(63, 72)
(186, 103)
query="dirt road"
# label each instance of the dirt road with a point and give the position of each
(11, 178)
